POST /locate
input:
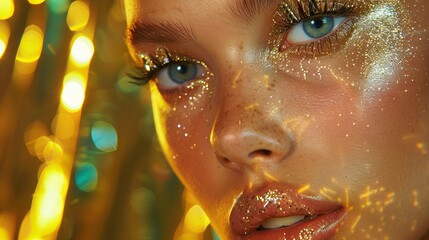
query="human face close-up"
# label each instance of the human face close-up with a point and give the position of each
(293, 119)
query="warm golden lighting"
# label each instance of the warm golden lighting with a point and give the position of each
(48, 202)
(4, 37)
(63, 126)
(196, 220)
(31, 45)
(54, 179)
(7, 8)
(304, 188)
(4, 234)
(73, 94)
(81, 51)
(7, 226)
(2, 47)
(78, 15)
(36, 2)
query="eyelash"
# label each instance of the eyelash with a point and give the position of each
(141, 75)
(292, 14)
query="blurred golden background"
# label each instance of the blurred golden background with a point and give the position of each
(79, 158)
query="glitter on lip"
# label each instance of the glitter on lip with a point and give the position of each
(280, 200)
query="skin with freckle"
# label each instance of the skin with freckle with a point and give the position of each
(344, 118)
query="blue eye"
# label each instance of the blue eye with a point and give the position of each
(313, 29)
(177, 73)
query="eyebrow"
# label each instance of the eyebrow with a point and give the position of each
(159, 32)
(246, 11)
(167, 31)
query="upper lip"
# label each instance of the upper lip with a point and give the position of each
(274, 200)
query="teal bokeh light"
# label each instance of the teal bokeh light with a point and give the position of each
(104, 136)
(58, 6)
(86, 177)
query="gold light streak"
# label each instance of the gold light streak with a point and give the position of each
(58, 151)
(7, 8)
(355, 222)
(304, 188)
(326, 192)
(367, 196)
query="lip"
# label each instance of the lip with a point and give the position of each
(277, 200)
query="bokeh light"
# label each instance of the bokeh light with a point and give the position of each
(196, 220)
(51, 51)
(4, 37)
(104, 136)
(36, 2)
(73, 94)
(78, 15)
(86, 177)
(7, 8)
(53, 179)
(31, 45)
(48, 202)
(82, 51)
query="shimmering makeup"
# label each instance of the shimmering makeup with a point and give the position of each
(370, 44)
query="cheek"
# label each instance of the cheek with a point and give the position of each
(184, 124)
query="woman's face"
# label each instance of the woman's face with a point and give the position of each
(308, 113)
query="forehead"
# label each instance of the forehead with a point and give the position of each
(171, 9)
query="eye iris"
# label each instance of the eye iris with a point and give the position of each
(318, 27)
(182, 72)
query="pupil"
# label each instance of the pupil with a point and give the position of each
(181, 69)
(318, 23)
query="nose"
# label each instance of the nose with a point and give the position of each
(248, 133)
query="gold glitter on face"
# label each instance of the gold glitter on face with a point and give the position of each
(304, 234)
(370, 44)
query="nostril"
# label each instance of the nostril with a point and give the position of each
(260, 153)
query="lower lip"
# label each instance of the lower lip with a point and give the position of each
(322, 227)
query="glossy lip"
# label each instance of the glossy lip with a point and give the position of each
(277, 200)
